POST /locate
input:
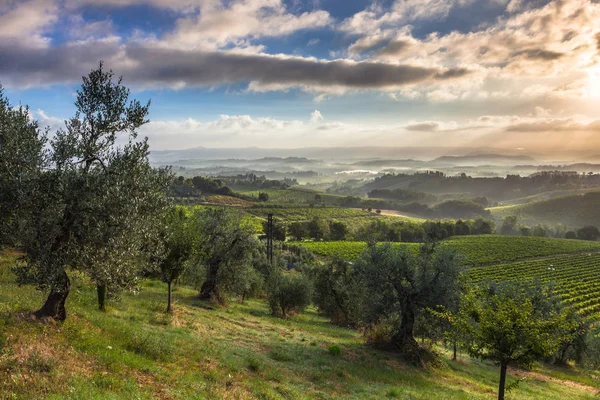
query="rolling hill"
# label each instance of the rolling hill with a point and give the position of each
(573, 211)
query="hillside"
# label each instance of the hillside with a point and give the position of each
(573, 211)
(135, 351)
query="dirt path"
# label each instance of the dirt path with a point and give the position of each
(394, 213)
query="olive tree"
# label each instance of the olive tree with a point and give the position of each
(97, 200)
(225, 247)
(513, 323)
(22, 160)
(400, 284)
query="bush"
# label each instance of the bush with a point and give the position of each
(288, 293)
(262, 196)
(335, 350)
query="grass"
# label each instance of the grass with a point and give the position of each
(134, 351)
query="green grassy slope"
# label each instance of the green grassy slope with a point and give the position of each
(573, 211)
(134, 351)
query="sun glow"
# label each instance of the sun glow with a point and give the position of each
(593, 82)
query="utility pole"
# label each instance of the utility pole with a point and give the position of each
(270, 238)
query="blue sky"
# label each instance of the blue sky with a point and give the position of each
(511, 74)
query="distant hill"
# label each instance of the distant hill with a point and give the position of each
(327, 153)
(484, 159)
(574, 211)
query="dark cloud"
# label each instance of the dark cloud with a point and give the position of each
(423, 127)
(394, 49)
(540, 54)
(149, 66)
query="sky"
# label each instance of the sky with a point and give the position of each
(517, 75)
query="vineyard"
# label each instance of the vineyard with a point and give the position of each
(496, 249)
(475, 250)
(345, 250)
(576, 278)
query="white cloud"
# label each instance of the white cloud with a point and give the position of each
(316, 117)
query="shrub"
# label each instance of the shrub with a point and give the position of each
(262, 196)
(39, 363)
(254, 364)
(288, 293)
(335, 350)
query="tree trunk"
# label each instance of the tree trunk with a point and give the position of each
(101, 290)
(209, 287)
(454, 350)
(169, 297)
(503, 367)
(54, 307)
(404, 338)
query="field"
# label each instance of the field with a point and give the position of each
(475, 250)
(292, 195)
(307, 213)
(135, 351)
(576, 278)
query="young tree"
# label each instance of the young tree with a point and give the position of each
(176, 248)
(225, 245)
(400, 284)
(279, 230)
(462, 228)
(288, 293)
(97, 199)
(509, 226)
(317, 228)
(263, 196)
(338, 230)
(512, 323)
(589, 232)
(297, 230)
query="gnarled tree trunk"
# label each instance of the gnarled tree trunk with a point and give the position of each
(54, 307)
(404, 339)
(209, 287)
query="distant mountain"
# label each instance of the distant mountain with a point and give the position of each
(323, 153)
(485, 159)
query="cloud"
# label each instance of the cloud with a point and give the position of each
(316, 116)
(429, 126)
(27, 21)
(161, 67)
(394, 48)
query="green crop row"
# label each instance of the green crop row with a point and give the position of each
(576, 278)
